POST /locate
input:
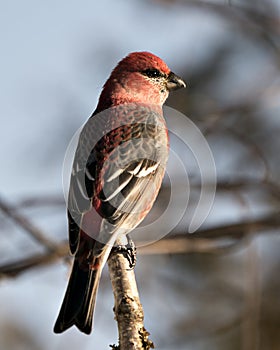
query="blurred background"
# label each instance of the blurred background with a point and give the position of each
(217, 288)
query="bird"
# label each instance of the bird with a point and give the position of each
(117, 173)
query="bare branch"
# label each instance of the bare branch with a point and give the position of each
(203, 241)
(46, 200)
(241, 229)
(15, 268)
(29, 227)
(128, 309)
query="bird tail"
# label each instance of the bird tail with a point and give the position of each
(79, 300)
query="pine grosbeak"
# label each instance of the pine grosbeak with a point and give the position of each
(117, 172)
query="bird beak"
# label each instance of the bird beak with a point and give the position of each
(174, 82)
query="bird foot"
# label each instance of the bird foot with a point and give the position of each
(129, 252)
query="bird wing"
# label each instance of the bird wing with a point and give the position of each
(119, 173)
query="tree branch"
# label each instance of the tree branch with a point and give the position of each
(28, 226)
(15, 268)
(203, 241)
(128, 309)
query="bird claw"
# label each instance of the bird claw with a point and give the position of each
(128, 251)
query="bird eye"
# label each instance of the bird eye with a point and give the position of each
(152, 73)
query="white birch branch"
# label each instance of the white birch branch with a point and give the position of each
(128, 309)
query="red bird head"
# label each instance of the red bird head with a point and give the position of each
(140, 77)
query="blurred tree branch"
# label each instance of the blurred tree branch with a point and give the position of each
(28, 226)
(209, 240)
(262, 23)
